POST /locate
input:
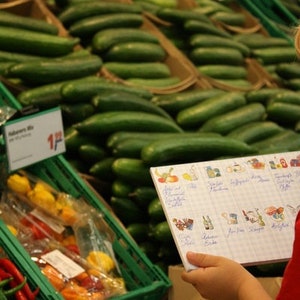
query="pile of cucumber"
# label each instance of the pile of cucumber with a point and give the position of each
(114, 131)
(116, 32)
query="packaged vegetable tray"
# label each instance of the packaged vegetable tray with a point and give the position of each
(23, 262)
(143, 279)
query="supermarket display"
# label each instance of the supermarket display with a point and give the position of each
(139, 83)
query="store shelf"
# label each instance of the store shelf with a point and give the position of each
(143, 279)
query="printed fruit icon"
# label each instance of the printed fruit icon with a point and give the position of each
(187, 176)
(166, 177)
(172, 178)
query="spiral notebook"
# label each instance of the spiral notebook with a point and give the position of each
(242, 208)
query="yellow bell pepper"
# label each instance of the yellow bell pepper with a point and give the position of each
(43, 199)
(19, 184)
(99, 259)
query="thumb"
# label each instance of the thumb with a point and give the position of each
(202, 260)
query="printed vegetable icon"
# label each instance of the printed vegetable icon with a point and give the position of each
(167, 176)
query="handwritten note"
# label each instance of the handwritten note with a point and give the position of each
(243, 208)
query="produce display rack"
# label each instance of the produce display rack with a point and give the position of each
(272, 14)
(21, 258)
(144, 280)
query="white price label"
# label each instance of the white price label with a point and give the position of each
(34, 138)
(63, 263)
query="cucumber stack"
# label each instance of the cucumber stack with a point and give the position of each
(114, 131)
(116, 32)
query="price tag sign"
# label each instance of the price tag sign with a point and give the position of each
(34, 138)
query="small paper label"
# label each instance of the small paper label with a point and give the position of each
(63, 264)
(53, 224)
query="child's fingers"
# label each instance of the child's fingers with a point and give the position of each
(202, 260)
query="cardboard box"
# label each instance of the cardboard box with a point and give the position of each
(183, 290)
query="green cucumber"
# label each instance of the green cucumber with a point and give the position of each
(196, 26)
(262, 95)
(197, 114)
(286, 96)
(145, 70)
(121, 137)
(133, 171)
(287, 140)
(55, 70)
(106, 38)
(148, 6)
(91, 153)
(138, 231)
(155, 211)
(210, 6)
(255, 131)
(130, 147)
(259, 40)
(155, 83)
(239, 83)
(225, 123)
(119, 188)
(25, 22)
(112, 121)
(210, 40)
(83, 10)
(216, 55)
(283, 113)
(73, 140)
(143, 195)
(83, 89)
(183, 150)
(297, 127)
(4, 66)
(162, 232)
(293, 84)
(103, 169)
(127, 211)
(135, 52)
(223, 71)
(179, 16)
(288, 70)
(16, 57)
(275, 55)
(161, 4)
(229, 18)
(178, 101)
(36, 43)
(89, 26)
(76, 112)
(125, 101)
(44, 96)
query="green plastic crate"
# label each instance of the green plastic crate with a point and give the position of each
(274, 17)
(144, 280)
(28, 268)
(277, 12)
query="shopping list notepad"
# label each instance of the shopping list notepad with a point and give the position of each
(241, 208)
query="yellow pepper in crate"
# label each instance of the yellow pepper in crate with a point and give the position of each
(36, 192)
(19, 184)
(44, 199)
(99, 259)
